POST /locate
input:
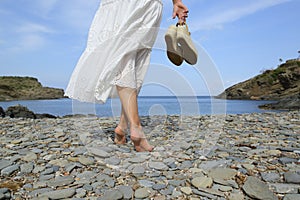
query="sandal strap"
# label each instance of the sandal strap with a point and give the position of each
(183, 24)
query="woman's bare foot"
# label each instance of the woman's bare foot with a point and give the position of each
(139, 140)
(120, 135)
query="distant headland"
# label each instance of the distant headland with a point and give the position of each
(26, 88)
(281, 84)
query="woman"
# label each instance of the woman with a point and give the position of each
(117, 57)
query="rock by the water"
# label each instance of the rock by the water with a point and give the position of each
(2, 112)
(288, 103)
(19, 112)
(282, 83)
(45, 115)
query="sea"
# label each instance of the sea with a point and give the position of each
(148, 106)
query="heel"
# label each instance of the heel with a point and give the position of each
(120, 137)
(141, 144)
(190, 53)
(173, 52)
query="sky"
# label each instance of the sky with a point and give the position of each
(235, 39)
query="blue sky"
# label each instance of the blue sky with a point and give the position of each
(45, 38)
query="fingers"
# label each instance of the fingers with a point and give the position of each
(185, 9)
(182, 17)
(174, 14)
(181, 11)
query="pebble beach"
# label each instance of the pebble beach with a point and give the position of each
(236, 157)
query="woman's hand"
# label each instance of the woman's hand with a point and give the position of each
(180, 10)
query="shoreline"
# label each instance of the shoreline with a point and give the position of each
(167, 106)
(207, 157)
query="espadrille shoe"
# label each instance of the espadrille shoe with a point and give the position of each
(174, 52)
(189, 51)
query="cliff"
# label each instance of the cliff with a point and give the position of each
(274, 84)
(282, 84)
(26, 88)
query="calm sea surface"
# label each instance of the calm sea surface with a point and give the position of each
(201, 105)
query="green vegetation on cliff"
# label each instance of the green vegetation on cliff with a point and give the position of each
(26, 88)
(280, 83)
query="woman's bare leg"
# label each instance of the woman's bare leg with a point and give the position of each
(120, 130)
(128, 97)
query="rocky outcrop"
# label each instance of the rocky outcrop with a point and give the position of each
(282, 84)
(2, 112)
(26, 88)
(274, 84)
(289, 103)
(20, 111)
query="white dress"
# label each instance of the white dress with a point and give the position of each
(118, 49)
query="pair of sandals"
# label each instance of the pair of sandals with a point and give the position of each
(180, 46)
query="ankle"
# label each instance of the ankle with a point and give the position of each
(137, 132)
(136, 126)
(122, 126)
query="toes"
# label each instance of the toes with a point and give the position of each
(120, 139)
(143, 146)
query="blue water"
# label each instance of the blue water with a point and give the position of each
(202, 105)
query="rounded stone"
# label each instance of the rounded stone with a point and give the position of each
(202, 182)
(138, 170)
(27, 167)
(158, 166)
(98, 152)
(61, 181)
(5, 163)
(186, 190)
(60, 194)
(86, 160)
(146, 183)
(112, 195)
(30, 157)
(222, 173)
(126, 191)
(159, 186)
(292, 177)
(270, 177)
(142, 193)
(9, 170)
(291, 197)
(113, 161)
(137, 159)
(257, 189)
